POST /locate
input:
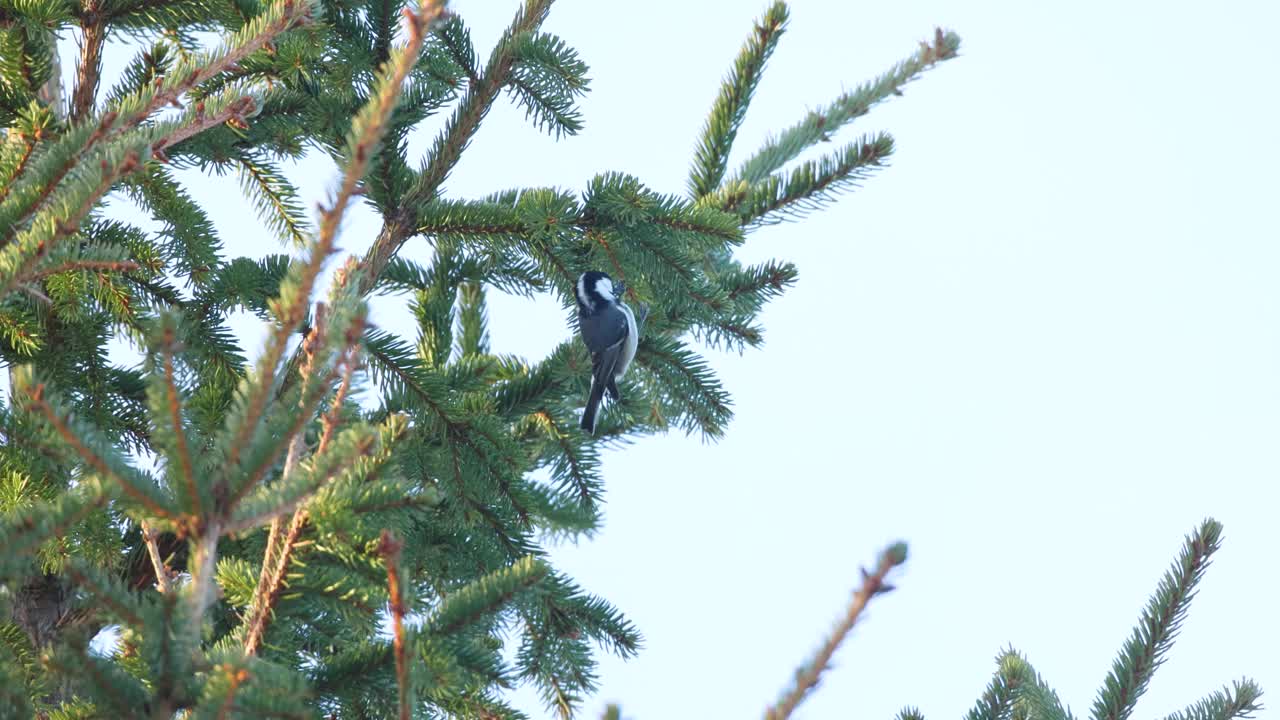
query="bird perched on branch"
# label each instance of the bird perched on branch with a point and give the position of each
(611, 335)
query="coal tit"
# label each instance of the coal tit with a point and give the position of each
(609, 331)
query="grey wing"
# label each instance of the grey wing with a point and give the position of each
(606, 329)
(603, 365)
(606, 338)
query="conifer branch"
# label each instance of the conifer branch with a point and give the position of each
(279, 550)
(807, 676)
(1238, 701)
(276, 199)
(114, 469)
(92, 582)
(264, 599)
(370, 124)
(233, 113)
(235, 680)
(819, 124)
(367, 130)
(275, 559)
(49, 227)
(998, 699)
(730, 108)
(455, 39)
(186, 462)
(134, 109)
(329, 423)
(486, 595)
(811, 185)
(1035, 699)
(34, 245)
(267, 579)
(910, 713)
(1145, 649)
(28, 142)
(53, 519)
(117, 266)
(576, 468)
(449, 145)
(389, 549)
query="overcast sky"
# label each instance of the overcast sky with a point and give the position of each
(1040, 348)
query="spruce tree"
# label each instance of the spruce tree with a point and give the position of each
(259, 543)
(262, 544)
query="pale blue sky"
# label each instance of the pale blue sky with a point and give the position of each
(1040, 348)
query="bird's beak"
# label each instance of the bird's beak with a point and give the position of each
(619, 289)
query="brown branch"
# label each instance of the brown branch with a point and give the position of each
(279, 550)
(101, 265)
(265, 597)
(266, 578)
(330, 420)
(157, 562)
(90, 67)
(276, 558)
(234, 112)
(389, 548)
(810, 673)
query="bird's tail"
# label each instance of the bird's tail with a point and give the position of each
(593, 404)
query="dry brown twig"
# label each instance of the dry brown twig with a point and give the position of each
(807, 677)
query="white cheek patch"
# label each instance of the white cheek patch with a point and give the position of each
(604, 288)
(582, 290)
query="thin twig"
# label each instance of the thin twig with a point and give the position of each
(389, 548)
(265, 598)
(205, 559)
(811, 672)
(157, 562)
(330, 420)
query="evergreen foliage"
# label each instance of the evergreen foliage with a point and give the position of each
(260, 544)
(1017, 691)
